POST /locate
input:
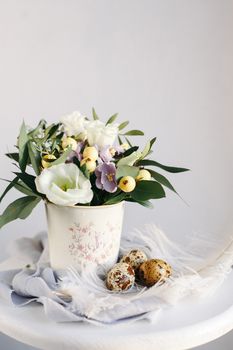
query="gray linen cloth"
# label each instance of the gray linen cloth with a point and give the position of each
(70, 297)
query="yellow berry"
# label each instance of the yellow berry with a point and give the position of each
(125, 146)
(47, 160)
(127, 184)
(143, 175)
(90, 152)
(69, 141)
(90, 164)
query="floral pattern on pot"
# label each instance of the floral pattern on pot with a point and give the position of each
(90, 245)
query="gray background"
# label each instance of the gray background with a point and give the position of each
(164, 65)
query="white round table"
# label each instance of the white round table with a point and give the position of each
(184, 326)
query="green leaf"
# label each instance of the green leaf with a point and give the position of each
(117, 199)
(59, 136)
(85, 172)
(57, 141)
(126, 170)
(134, 133)
(129, 160)
(63, 157)
(112, 119)
(130, 150)
(41, 125)
(95, 116)
(146, 150)
(146, 204)
(161, 179)
(120, 140)
(23, 150)
(152, 142)
(19, 209)
(48, 134)
(34, 156)
(14, 156)
(21, 187)
(127, 140)
(28, 180)
(146, 190)
(9, 187)
(123, 125)
(170, 169)
(52, 130)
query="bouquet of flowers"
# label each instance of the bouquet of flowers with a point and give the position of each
(79, 161)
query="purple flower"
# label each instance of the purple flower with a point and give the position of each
(76, 154)
(105, 154)
(106, 177)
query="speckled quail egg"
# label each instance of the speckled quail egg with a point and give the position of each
(153, 271)
(120, 278)
(135, 258)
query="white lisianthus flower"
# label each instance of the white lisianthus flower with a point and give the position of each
(64, 184)
(74, 124)
(100, 134)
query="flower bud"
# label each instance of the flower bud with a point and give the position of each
(143, 175)
(47, 160)
(90, 152)
(90, 164)
(127, 184)
(69, 141)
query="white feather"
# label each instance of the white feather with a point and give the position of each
(193, 275)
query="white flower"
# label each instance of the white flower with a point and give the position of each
(100, 134)
(64, 184)
(74, 124)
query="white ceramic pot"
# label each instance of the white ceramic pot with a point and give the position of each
(81, 235)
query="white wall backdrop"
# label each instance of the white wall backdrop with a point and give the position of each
(166, 65)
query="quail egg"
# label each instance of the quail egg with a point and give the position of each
(153, 271)
(135, 258)
(121, 277)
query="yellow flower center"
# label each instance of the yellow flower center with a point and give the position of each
(110, 177)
